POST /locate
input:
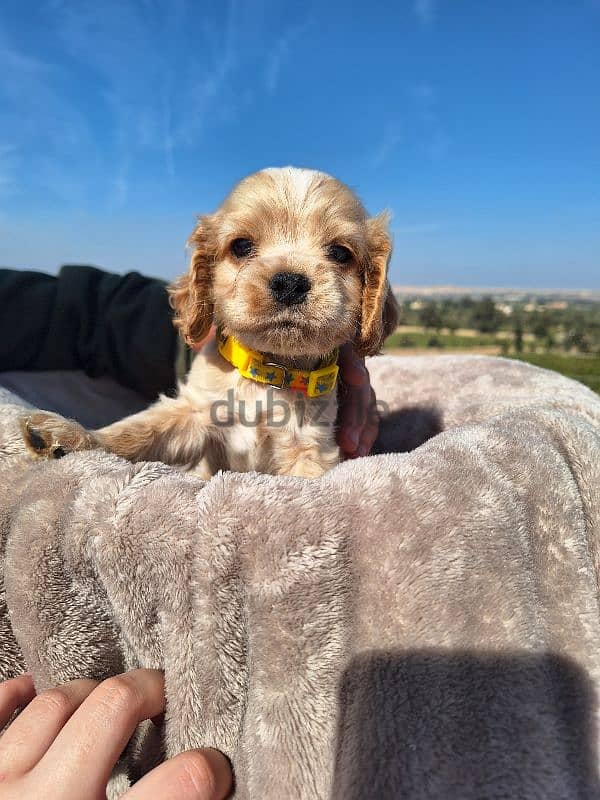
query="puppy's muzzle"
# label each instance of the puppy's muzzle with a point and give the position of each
(289, 288)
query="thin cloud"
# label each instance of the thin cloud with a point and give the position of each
(8, 163)
(168, 138)
(121, 187)
(119, 41)
(204, 94)
(29, 94)
(280, 53)
(389, 143)
(156, 101)
(433, 137)
(158, 79)
(425, 11)
(424, 93)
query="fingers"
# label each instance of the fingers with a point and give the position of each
(359, 424)
(352, 367)
(194, 775)
(14, 693)
(371, 427)
(79, 730)
(34, 730)
(96, 734)
(358, 419)
(210, 336)
(351, 418)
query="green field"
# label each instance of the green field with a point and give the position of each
(449, 340)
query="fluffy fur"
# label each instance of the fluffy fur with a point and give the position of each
(292, 218)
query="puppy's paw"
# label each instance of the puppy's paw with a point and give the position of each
(51, 436)
(306, 469)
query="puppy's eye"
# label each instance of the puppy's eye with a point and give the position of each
(242, 248)
(339, 253)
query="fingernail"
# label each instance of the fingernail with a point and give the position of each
(362, 451)
(353, 437)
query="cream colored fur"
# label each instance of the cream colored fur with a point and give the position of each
(225, 421)
(219, 420)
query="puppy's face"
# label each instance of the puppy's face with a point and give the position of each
(291, 265)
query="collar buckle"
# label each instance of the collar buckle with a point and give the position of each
(280, 385)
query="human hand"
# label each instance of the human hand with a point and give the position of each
(64, 745)
(358, 418)
(210, 337)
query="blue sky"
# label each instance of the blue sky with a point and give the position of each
(477, 122)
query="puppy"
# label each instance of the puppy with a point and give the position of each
(289, 268)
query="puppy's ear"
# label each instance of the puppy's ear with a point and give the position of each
(191, 294)
(379, 316)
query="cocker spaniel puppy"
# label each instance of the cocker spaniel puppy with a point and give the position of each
(289, 268)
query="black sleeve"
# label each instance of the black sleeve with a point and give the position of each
(104, 324)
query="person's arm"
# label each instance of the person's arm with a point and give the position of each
(65, 743)
(88, 319)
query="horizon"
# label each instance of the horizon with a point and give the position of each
(477, 125)
(406, 287)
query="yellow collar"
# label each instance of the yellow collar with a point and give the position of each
(253, 365)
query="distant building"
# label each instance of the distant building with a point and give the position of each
(504, 294)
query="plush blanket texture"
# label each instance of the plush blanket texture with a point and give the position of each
(421, 624)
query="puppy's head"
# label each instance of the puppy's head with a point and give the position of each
(289, 264)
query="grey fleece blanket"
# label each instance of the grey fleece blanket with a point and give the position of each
(418, 624)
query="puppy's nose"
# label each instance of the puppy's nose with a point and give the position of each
(289, 288)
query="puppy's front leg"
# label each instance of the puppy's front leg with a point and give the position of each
(171, 431)
(49, 435)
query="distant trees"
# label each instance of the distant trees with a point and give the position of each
(485, 317)
(430, 316)
(518, 329)
(451, 315)
(539, 325)
(549, 342)
(577, 339)
(479, 314)
(528, 322)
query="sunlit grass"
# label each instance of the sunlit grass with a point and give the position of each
(450, 340)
